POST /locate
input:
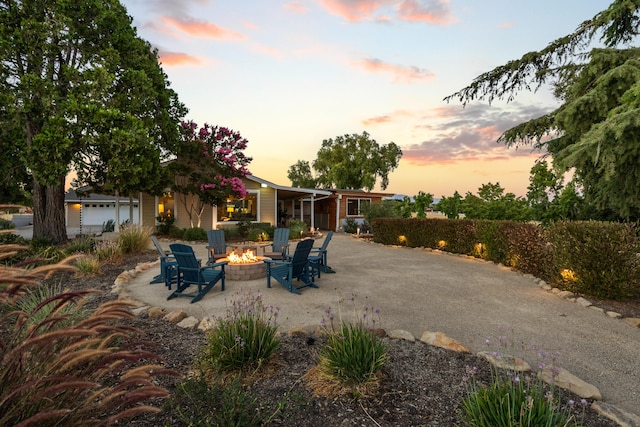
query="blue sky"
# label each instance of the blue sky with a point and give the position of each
(289, 74)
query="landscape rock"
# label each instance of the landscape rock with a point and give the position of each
(175, 316)
(189, 322)
(122, 279)
(399, 334)
(614, 315)
(506, 361)
(439, 339)
(633, 321)
(207, 323)
(156, 312)
(593, 307)
(566, 380)
(624, 419)
(565, 294)
(139, 311)
(583, 302)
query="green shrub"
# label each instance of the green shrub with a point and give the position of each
(258, 235)
(350, 226)
(601, 256)
(511, 401)
(134, 239)
(6, 224)
(245, 338)
(85, 244)
(243, 228)
(193, 234)
(164, 224)
(177, 233)
(198, 402)
(352, 354)
(49, 254)
(296, 228)
(108, 226)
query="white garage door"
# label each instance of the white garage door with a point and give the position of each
(100, 213)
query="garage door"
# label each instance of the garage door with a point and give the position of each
(100, 213)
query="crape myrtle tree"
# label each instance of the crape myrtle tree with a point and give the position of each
(596, 131)
(82, 91)
(209, 168)
(350, 162)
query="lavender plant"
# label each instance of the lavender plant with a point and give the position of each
(515, 398)
(246, 337)
(353, 354)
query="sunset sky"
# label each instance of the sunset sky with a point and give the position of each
(289, 74)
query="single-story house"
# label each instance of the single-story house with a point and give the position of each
(264, 202)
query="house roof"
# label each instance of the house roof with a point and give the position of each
(72, 196)
(290, 192)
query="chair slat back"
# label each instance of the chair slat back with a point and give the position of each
(280, 239)
(187, 261)
(301, 256)
(161, 251)
(326, 241)
(216, 241)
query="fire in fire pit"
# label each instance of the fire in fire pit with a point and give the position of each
(247, 257)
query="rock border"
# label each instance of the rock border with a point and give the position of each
(564, 379)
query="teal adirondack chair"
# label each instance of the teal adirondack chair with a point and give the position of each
(318, 258)
(190, 273)
(217, 246)
(280, 245)
(167, 265)
(285, 272)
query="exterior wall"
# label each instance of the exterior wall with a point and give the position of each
(268, 211)
(73, 214)
(148, 210)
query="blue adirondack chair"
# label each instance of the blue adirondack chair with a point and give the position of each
(190, 273)
(217, 246)
(285, 272)
(280, 245)
(318, 258)
(167, 265)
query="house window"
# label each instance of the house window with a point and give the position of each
(245, 209)
(356, 206)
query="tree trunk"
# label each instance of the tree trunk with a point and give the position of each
(48, 212)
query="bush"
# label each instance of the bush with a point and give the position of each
(6, 224)
(108, 251)
(85, 244)
(165, 224)
(296, 228)
(193, 234)
(88, 266)
(245, 338)
(258, 235)
(134, 239)
(243, 228)
(177, 233)
(350, 226)
(352, 354)
(109, 226)
(602, 258)
(212, 403)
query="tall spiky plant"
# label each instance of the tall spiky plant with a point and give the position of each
(54, 371)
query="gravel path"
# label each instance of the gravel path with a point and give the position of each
(469, 300)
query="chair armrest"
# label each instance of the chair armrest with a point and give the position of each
(273, 261)
(214, 265)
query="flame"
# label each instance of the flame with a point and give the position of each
(247, 257)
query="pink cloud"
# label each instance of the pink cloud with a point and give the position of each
(401, 73)
(388, 118)
(354, 10)
(170, 59)
(506, 25)
(201, 28)
(296, 6)
(431, 11)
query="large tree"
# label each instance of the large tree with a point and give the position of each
(84, 92)
(596, 131)
(351, 162)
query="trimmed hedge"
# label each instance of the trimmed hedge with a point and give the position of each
(603, 258)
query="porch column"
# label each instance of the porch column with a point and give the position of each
(338, 211)
(313, 213)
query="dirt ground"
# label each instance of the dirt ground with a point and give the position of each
(420, 385)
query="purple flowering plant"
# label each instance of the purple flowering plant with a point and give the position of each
(209, 167)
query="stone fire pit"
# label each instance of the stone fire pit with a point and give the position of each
(245, 271)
